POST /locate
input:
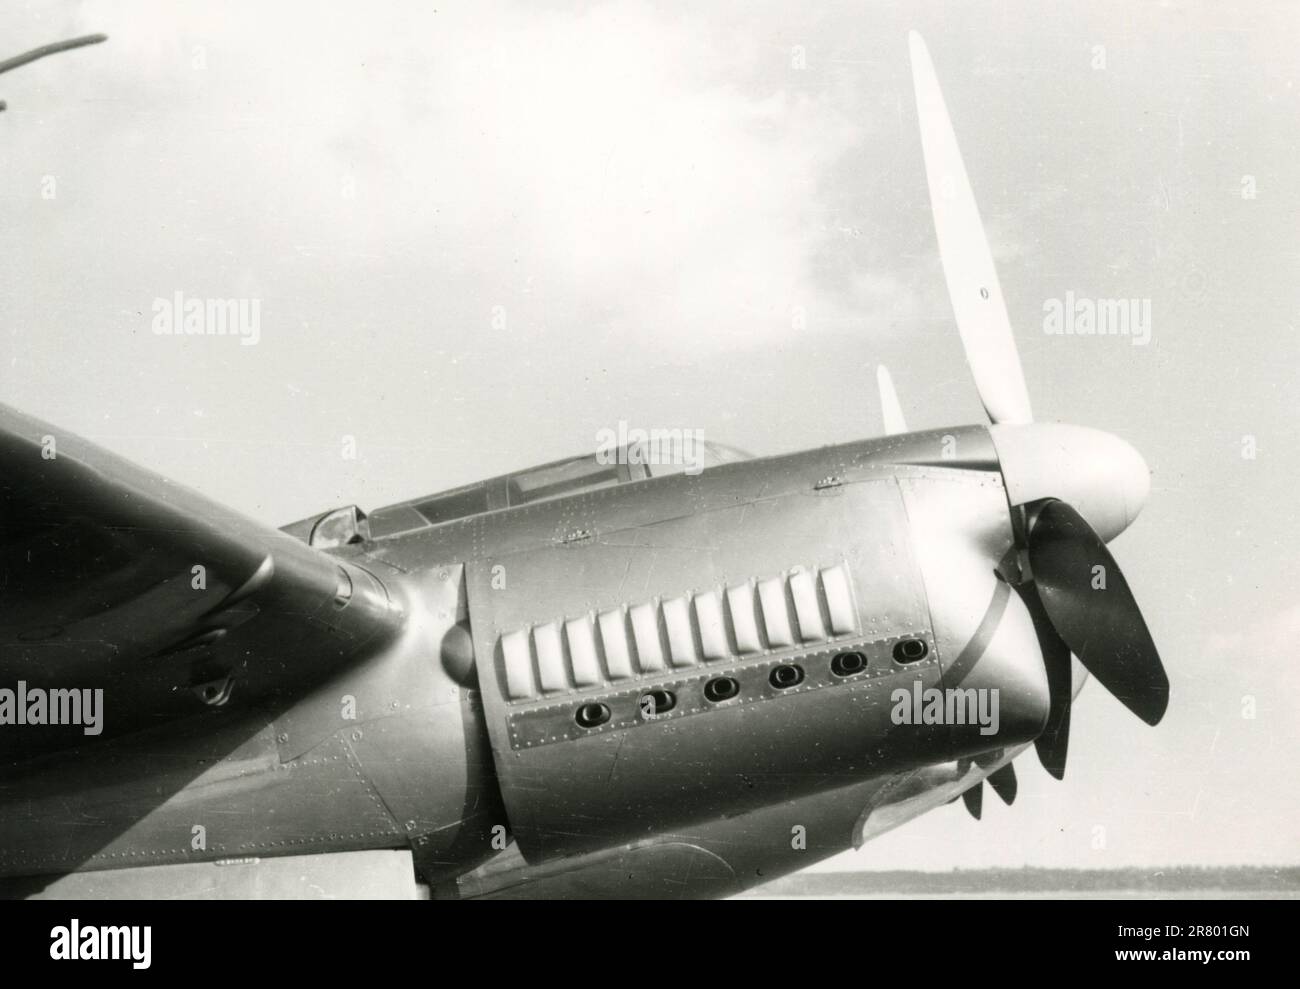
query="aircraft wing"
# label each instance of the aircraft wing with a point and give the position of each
(113, 578)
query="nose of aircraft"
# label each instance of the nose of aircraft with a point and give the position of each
(1101, 475)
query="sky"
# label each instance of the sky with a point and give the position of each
(481, 233)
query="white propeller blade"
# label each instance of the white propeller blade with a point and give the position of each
(977, 302)
(889, 407)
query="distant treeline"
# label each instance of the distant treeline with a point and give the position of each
(1033, 880)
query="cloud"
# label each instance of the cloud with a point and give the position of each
(615, 162)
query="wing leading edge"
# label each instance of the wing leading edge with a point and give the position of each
(114, 578)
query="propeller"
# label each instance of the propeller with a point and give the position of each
(1078, 598)
(17, 61)
(1002, 780)
(973, 286)
(890, 410)
(1003, 783)
(1052, 744)
(1087, 599)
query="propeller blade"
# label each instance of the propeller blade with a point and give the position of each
(1091, 607)
(889, 407)
(973, 288)
(1053, 743)
(974, 800)
(1004, 783)
(52, 49)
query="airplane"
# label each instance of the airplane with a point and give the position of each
(599, 677)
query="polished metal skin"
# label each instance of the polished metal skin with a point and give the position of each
(590, 678)
(408, 746)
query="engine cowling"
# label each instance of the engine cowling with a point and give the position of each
(640, 673)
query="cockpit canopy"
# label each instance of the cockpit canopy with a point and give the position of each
(620, 465)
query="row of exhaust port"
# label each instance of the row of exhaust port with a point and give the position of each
(661, 700)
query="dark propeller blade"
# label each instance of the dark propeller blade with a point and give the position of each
(1004, 783)
(1089, 602)
(1052, 744)
(974, 800)
(51, 49)
(18, 61)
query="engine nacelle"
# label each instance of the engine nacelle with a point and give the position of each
(640, 673)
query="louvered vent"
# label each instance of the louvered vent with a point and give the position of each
(721, 623)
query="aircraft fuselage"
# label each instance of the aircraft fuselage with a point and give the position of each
(646, 671)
